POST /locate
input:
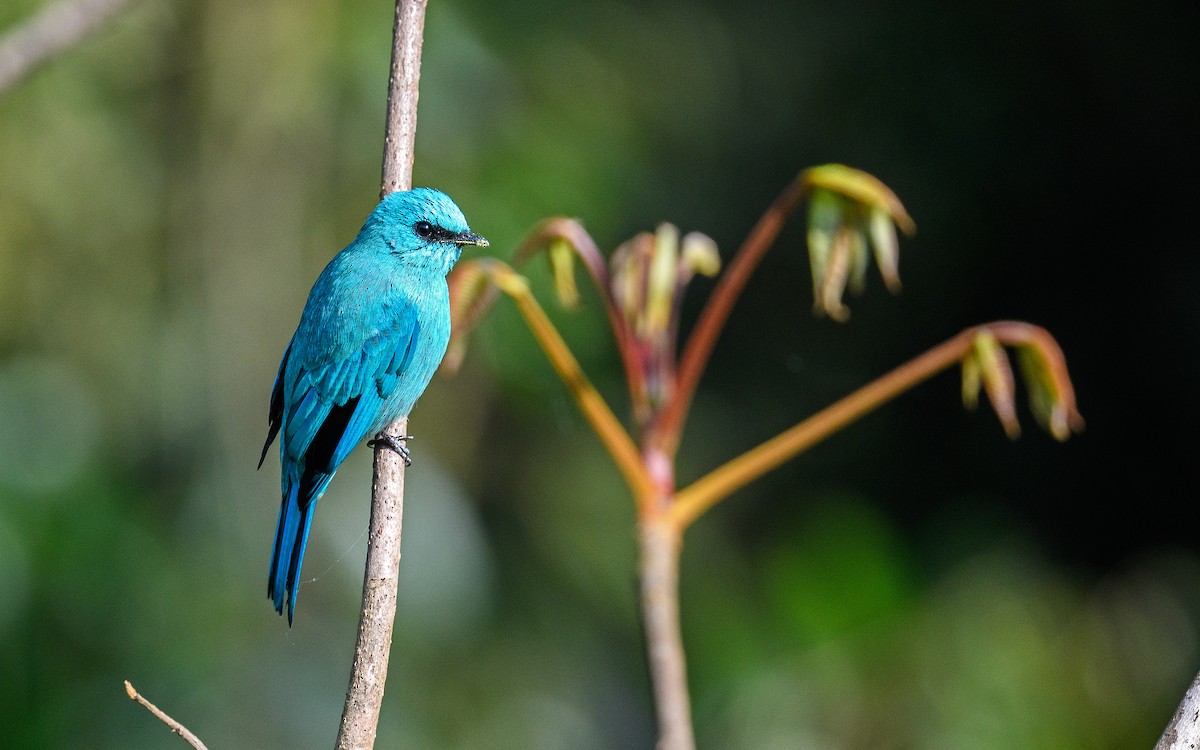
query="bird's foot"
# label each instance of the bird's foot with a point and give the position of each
(395, 442)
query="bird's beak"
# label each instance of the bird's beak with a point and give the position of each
(470, 238)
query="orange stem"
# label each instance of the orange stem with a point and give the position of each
(593, 406)
(694, 500)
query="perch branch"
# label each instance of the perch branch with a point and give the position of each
(364, 696)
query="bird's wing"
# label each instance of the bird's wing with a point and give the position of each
(334, 401)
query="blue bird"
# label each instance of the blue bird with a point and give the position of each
(374, 330)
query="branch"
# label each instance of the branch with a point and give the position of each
(55, 29)
(368, 676)
(408, 34)
(1183, 732)
(364, 696)
(173, 725)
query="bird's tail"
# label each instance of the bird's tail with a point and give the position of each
(291, 535)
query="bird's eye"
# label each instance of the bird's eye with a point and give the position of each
(423, 228)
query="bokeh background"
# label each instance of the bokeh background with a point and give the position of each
(170, 189)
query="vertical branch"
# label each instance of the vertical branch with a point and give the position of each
(368, 676)
(408, 34)
(659, 540)
(364, 696)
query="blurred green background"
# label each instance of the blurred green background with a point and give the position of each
(170, 189)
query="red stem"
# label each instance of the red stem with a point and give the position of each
(712, 319)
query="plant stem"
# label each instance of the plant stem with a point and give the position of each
(368, 676)
(718, 484)
(716, 311)
(659, 541)
(591, 404)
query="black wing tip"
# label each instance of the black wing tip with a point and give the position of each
(278, 603)
(275, 408)
(272, 432)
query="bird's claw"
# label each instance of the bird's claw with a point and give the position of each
(395, 442)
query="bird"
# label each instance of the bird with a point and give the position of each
(372, 333)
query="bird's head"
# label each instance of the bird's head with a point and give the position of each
(423, 226)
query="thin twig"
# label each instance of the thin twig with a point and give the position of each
(364, 696)
(173, 725)
(51, 31)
